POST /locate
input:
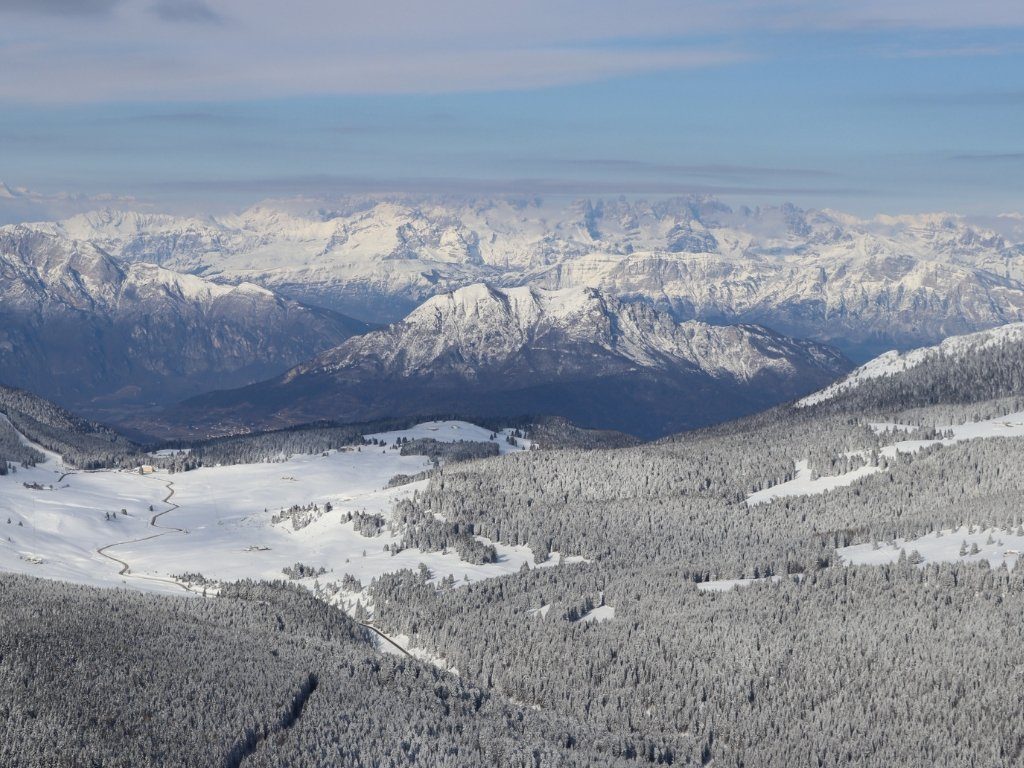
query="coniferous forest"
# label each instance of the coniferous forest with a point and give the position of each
(632, 655)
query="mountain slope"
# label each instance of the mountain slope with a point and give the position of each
(480, 351)
(79, 442)
(962, 369)
(77, 325)
(864, 285)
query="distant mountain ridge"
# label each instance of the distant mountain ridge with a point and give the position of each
(77, 324)
(576, 353)
(864, 285)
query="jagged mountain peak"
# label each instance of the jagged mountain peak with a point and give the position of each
(576, 352)
(889, 281)
(523, 304)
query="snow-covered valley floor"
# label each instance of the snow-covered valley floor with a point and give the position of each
(218, 521)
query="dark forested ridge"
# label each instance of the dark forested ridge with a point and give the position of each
(994, 371)
(264, 675)
(80, 442)
(87, 445)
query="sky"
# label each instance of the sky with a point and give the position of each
(199, 105)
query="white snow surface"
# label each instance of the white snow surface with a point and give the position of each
(453, 432)
(994, 545)
(893, 362)
(218, 522)
(599, 614)
(406, 647)
(725, 585)
(1011, 425)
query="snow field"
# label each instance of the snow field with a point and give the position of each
(599, 614)
(452, 432)
(996, 546)
(225, 514)
(56, 532)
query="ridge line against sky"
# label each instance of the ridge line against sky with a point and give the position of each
(868, 106)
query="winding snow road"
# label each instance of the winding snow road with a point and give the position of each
(126, 569)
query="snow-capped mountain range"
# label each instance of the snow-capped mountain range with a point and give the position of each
(77, 324)
(863, 285)
(576, 352)
(115, 307)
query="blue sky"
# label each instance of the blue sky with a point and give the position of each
(188, 105)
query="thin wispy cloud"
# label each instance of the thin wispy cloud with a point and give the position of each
(59, 7)
(155, 49)
(328, 185)
(712, 170)
(187, 12)
(959, 51)
(980, 98)
(179, 118)
(989, 157)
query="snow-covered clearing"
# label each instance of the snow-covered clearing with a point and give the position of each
(224, 514)
(599, 614)
(724, 585)
(171, 452)
(452, 432)
(802, 484)
(993, 545)
(401, 645)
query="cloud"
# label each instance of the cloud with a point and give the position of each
(60, 7)
(989, 157)
(980, 98)
(210, 73)
(21, 204)
(194, 117)
(713, 170)
(187, 12)
(328, 185)
(155, 49)
(956, 51)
